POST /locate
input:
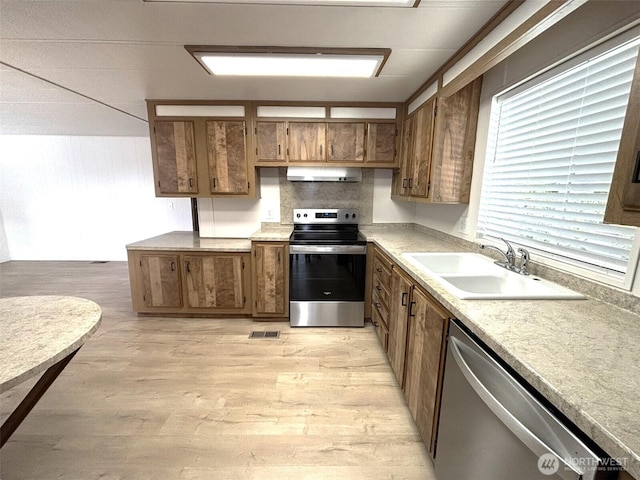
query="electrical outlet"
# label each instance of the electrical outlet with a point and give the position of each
(170, 205)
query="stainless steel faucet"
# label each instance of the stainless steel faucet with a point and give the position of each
(509, 257)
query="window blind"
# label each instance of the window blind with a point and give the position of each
(552, 150)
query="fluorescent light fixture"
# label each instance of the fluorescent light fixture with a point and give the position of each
(290, 61)
(331, 3)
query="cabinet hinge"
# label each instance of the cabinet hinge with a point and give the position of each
(243, 264)
(245, 131)
(287, 130)
(140, 262)
(144, 298)
(248, 185)
(256, 303)
(256, 150)
(158, 183)
(154, 129)
(255, 130)
(244, 300)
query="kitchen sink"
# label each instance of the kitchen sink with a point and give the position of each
(471, 276)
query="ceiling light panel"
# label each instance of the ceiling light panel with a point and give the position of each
(290, 61)
(344, 3)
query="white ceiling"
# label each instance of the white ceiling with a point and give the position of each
(121, 52)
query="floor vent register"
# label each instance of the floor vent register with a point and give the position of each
(271, 334)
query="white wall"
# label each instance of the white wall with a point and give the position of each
(238, 217)
(81, 198)
(386, 210)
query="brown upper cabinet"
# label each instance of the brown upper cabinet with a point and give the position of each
(438, 146)
(227, 157)
(315, 134)
(356, 143)
(345, 142)
(623, 205)
(197, 154)
(381, 142)
(307, 141)
(271, 141)
(175, 155)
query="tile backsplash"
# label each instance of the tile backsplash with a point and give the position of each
(357, 195)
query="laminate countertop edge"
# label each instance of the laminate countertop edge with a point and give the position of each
(583, 356)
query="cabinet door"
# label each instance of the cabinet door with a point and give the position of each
(623, 204)
(428, 322)
(307, 142)
(454, 144)
(400, 185)
(270, 288)
(227, 157)
(271, 140)
(159, 281)
(175, 157)
(381, 142)
(215, 281)
(420, 149)
(346, 142)
(398, 316)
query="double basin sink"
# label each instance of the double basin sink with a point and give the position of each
(470, 276)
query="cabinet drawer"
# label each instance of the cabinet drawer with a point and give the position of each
(379, 307)
(381, 329)
(382, 269)
(381, 289)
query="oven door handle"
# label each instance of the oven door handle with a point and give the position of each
(329, 249)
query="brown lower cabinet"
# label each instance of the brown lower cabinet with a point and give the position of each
(414, 336)
(190, 283)
(270, 262)
(424, 369)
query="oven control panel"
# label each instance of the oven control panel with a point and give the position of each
(325, 215)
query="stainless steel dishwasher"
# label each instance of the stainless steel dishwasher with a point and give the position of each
(492, 428)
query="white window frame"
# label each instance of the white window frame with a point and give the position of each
(624, 281)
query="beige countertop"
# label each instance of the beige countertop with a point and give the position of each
(582, 355)
(39, 331)
(190, 241)
(272, 233)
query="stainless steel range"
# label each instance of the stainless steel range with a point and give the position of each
(327, 269)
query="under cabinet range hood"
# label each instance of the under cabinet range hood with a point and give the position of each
(324, 174)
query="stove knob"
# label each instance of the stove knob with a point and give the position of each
(305, 215)
(298, 215)
(346, 215)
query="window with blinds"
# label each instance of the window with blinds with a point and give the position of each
(552, 149)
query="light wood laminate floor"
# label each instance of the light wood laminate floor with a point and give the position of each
(175, 398)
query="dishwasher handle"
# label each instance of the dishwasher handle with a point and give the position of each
(528, 438)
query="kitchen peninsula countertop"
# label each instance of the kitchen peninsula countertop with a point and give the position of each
(582, 355)
(190, 241)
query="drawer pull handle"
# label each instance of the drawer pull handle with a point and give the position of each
(378, 306)
(378, 287)
(378, 269)
(403, 301)
(173, 266)
(411, 314)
